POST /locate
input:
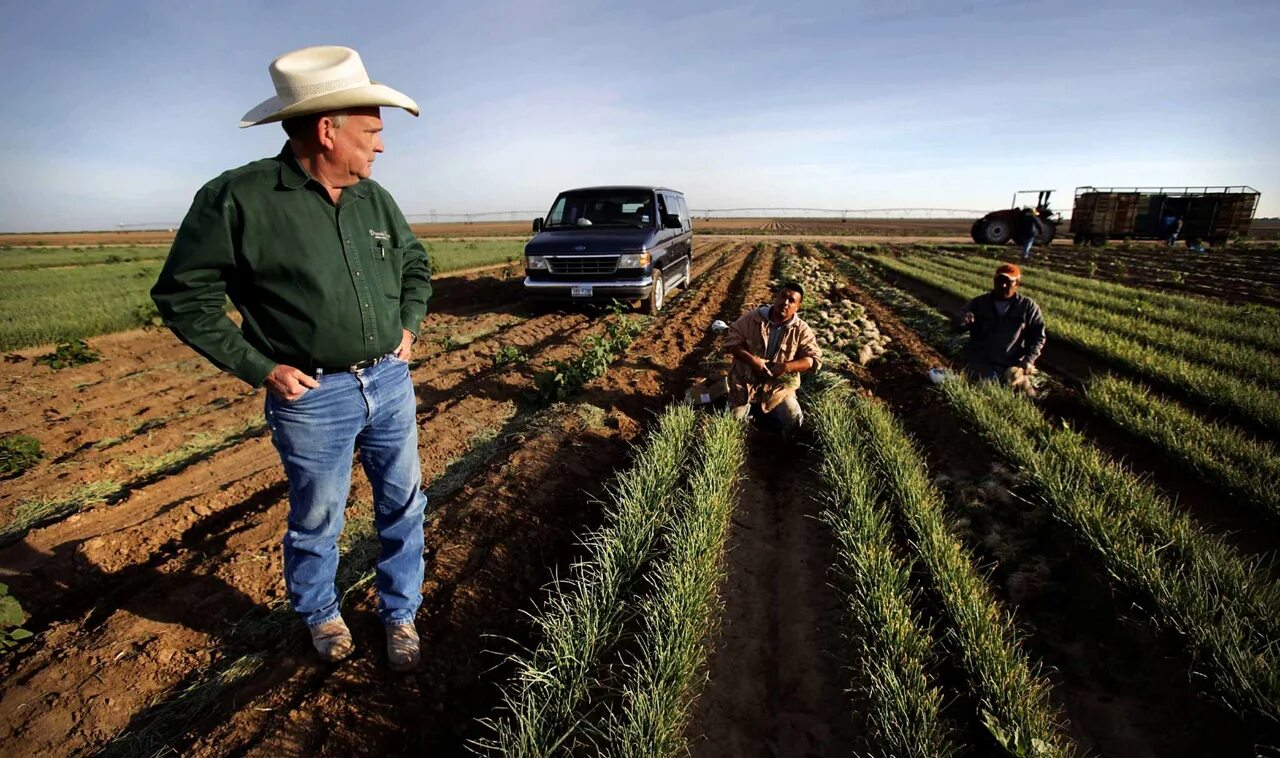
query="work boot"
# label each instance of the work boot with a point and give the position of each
(403, 649)
(332, 640)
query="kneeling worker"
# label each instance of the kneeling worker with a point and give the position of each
(771, 346)
(1006, 330)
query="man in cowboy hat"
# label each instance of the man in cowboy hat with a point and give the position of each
(332, 287)
(1006, 331)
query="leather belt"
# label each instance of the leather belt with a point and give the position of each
(353, 367)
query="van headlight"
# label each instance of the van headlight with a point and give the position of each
(634, 260)
(536, 262)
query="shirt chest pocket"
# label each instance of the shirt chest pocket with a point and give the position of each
(787, 346)
(389, 262)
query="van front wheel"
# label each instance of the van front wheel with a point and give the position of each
(653, 303)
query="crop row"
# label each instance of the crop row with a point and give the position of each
(894, 647)
(1257, 325)
(653, 528)
(1013, 696)
(861, 443)
(1203, 383)
(1237, 463)
(1258, 365)
(583, 615)
(1226, 608)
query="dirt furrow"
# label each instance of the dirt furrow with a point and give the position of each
(107, 550)
(156, 533)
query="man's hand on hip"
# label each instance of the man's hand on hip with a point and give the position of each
(405, 350)
(288, 383)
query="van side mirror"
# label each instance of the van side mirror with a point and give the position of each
(671, 221)
(537, 225)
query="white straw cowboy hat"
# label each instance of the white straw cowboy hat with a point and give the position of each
(320, 79)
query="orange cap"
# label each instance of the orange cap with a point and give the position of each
(1009, 270)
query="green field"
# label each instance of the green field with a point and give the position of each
(52, 294)
(17, 258)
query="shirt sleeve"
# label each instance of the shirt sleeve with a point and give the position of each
(808, 346)
(957, 322)
(415, 274)
(1034, 335)
(191, 292)
(739, 335)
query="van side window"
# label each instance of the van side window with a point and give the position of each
(662, 206)
(684, 211)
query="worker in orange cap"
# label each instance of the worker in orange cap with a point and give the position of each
(1006, 331)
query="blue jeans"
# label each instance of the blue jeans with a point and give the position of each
(316, 436)
(1026, 248)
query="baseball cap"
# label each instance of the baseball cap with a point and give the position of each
(1009, 271)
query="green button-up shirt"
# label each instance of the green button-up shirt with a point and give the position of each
(318, 284)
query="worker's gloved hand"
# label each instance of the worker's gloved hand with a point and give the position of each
(967, 319)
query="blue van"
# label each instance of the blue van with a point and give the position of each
(597, 244)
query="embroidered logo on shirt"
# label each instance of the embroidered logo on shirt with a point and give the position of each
(380, 236)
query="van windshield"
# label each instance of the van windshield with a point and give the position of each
(607, 207)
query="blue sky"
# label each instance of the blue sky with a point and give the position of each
(116, 113)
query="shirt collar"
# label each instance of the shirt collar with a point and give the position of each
(764, 316)
(293, 176)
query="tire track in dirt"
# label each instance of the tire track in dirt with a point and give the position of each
(489, 549)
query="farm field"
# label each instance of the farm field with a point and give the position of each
(67, 293)
(926, 570)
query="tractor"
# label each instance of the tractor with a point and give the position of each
(998, 227)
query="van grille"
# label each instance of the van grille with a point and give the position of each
(583, 264)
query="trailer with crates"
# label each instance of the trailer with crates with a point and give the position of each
(1192, 214)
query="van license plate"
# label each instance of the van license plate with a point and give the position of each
(581, 291)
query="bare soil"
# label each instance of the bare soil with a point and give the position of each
(143, 594)
(138, 596)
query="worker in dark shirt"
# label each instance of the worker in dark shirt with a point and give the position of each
(1028, 228)
(1006, 330)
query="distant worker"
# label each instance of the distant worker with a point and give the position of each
(1173, 228)
(1006, 331)
(1028, 227)
(332, 287)
(771, 346)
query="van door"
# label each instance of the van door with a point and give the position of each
(687, 228)
(670, 254)
(678, 248)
